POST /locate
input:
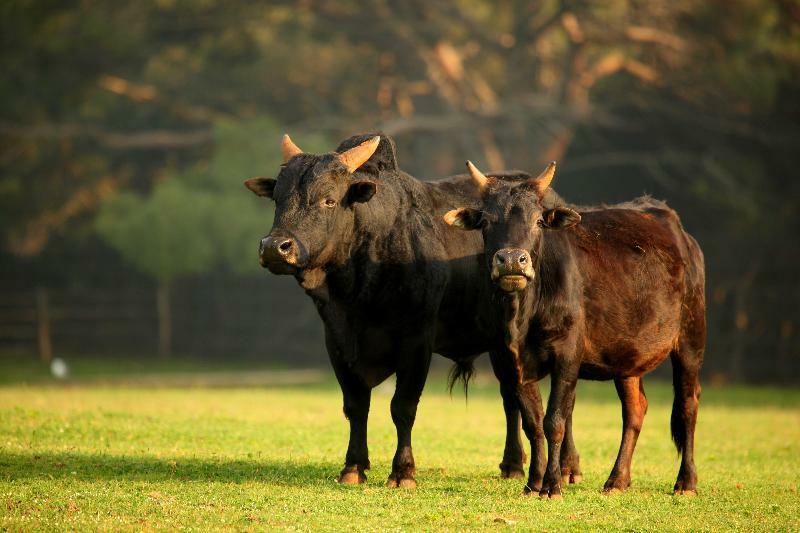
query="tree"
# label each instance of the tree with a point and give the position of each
(201, 220)
(163, 236)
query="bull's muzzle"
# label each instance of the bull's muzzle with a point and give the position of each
(512, 269)
(278, 253)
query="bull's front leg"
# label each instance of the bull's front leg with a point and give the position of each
(356, 397)
(559, 410)
(410, 382)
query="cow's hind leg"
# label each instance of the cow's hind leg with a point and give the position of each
(513, 464)
(686, 384)
(634, 407)
(410, 382)
(570, 460)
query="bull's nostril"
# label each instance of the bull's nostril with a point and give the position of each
(499, 260)
(522, 260)
(285, 246)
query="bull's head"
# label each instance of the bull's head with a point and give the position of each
(314, 199)
(512, 221)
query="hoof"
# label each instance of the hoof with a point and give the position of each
(527, 491)
(572, 479)
(611, 491)
(351, 478)
(408, 483)
(546, 496)
(405, 483)
(512, 473)
(685, 492)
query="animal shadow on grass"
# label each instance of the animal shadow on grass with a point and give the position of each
(14, 466)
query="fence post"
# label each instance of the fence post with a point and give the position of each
(43, 325)
(164, 320)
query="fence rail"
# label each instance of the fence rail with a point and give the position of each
(270, 317)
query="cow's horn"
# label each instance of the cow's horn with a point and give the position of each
(480, 180)
(543, 180)
(358, 155)
(289, 149)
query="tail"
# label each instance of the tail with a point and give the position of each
(462, 371)
(677, 424)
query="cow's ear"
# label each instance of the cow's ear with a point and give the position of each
(261, 186)
(465, 218)
(560, 218)
(360, 191)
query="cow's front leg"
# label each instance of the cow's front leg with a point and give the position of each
(530, 401)
(559, 409)
(356, 408)
(410, 382)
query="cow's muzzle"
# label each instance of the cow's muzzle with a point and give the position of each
(278, 253)
(512, 269)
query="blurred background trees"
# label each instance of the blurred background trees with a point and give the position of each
(127, 129)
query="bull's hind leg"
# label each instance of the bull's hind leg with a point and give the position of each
(686, 384)
(514, 458)
(570, 460)
(634, 407)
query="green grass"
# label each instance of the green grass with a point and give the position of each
(88, 457)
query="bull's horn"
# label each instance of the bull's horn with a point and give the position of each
(358, 155)
(480, 180)
(289, 149)
(543, 180)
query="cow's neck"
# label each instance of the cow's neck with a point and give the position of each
(521, 307)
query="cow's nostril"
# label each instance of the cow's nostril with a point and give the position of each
(522, 260)
(285, 246)
(499, 260)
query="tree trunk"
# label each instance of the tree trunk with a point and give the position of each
(164, 320)
(43, 325)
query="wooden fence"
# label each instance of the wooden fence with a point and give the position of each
(270, 317)
(266, 316)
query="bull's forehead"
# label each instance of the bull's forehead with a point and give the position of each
(309, 176)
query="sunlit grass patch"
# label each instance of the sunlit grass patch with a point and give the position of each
(90, 457)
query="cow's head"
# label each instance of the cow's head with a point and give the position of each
(513, 221)
(314, 199)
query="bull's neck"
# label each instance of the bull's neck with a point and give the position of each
(382, 237)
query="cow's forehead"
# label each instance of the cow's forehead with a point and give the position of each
(507, 198)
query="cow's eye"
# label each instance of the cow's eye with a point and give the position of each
(329, 202)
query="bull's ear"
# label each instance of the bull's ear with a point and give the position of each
(261, 186)
(465, 218)
(360, 191)
(560, 218)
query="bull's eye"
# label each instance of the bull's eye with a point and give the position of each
(329, 202)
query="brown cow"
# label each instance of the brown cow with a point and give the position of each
(596, 293)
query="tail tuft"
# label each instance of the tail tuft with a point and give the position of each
(677, 425)
(462, 371)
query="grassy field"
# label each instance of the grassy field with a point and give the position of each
(129, 457)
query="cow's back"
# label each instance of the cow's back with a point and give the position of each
(636, 265)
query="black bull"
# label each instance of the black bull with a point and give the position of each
(391, 281)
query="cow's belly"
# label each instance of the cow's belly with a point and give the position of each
(606, 356)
